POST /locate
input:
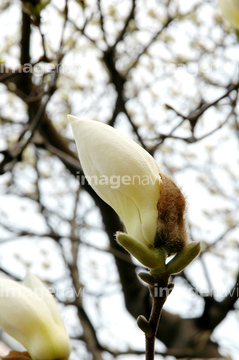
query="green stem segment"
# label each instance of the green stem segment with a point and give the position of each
(159, 293)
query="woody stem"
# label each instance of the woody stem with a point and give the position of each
(159, 294)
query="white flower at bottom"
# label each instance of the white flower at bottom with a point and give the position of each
(30, 315)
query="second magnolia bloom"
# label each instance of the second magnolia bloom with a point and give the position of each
(151, 206)
(30, 314)
(230, 9)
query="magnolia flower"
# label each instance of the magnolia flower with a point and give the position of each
(230, 9)
(30, 314)
(126, 177)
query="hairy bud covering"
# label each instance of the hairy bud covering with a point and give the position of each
(171, 230)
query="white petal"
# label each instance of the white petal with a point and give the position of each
(35, 284)
(104, 151)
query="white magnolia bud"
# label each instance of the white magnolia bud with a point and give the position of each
(128, 178)
(122, 173)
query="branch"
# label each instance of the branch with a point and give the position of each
(195, 114)
(102, 21)
(192, 139)
(169, 20)
(229, 302)
(89, 335)
(122, 32)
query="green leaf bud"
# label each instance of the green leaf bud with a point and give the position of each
(143, 324)
(146, 277)
(183, 258)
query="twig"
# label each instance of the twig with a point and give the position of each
(159, 291)
(64, 25)
(169, 20)
(192, 139)
(102, 22)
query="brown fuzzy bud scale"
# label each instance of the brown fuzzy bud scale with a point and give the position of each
(171, 231)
